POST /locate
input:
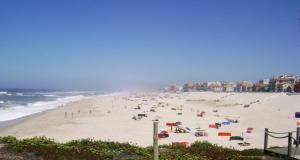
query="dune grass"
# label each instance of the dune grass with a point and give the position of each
(101, 150)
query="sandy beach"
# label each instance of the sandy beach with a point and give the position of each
(110, 117)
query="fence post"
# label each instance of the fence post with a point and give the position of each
(155, 140)
(290, 144)
(298, 136)
(266, 140)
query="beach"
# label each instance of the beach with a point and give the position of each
(115, 118)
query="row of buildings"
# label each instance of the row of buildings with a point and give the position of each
(283, 83)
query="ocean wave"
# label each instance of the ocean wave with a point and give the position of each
(5, 93)
(18, 107)
(49, 95)
(1, 102)
(113, 94)
(19, 111)
(19, 94)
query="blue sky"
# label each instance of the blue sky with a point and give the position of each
(115, 44)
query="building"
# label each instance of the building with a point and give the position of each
(244, 86)
(229, 86)
(213, 86)
(173, 88)
(286, 87)
(197, 86)
(261, 86)
(189, 87)
(264, 81)
(216, 88)
(258, 87)
(297, 87)
(283, 83)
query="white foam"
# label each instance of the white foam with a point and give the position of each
(33, 108)
(113, 94)
(18, 107)
(49, 95)
(19, 94)
(1, 102)
(5, 93)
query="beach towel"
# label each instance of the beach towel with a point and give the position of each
(236, 138)
(222, 134)
(212, 126)
(226, 123)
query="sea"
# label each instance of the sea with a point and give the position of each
(17, 103)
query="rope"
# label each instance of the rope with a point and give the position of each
(281, 132)
(297, 141)
(278, 137)
(278, 132)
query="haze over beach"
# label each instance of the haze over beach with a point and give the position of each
(216, 71)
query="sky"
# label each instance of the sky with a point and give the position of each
(117, 44)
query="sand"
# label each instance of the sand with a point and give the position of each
(109, 117)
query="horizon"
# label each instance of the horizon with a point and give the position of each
(128, 89)
(91, 45)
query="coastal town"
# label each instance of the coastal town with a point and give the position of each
(149, 80)
(282, 83)
(230, 115)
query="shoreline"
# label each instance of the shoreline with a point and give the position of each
(12, 122)
(109, 118)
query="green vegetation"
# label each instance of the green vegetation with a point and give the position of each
(100, 150)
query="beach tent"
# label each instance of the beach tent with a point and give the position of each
(136, 118)
(163, 134)
(218, 125)
(212, 126)
(201, 133)
(232, 120)
(178, 123)
(152, 110)
(247, 106)
(142, 115)
(180, 129)
(297, 114)
(226, 123)
(201, 114)
(138, 107)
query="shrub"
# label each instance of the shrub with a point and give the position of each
(101, 150)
